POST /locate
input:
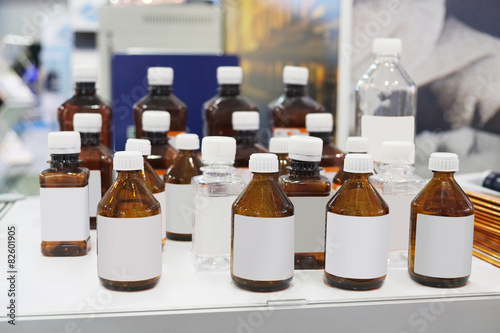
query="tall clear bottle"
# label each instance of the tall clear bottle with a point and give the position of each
(161, 98)
(214, 194)
(279, 146)
(386, 99)
(354, 145)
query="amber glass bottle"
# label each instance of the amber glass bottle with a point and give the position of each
(129, 252)
(279, 146)
(309, 192)
(96, 157)
(357, 230)
(156, 125)
(64, 199)
(160, 97)
(441, 228)
(262, 231)
(178, 188)
(354, 145)
(218, 110)
(86, 100)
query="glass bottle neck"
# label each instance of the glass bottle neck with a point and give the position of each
(186, 153)
(59, 161)
(229, 89)
(397, 169)
(358, 177)
(85, 88)
(293, 90)
(128, 175)
(385, 58)
(160, 90)
(218, 171)
(246, 137)
(303, 169)
(90, 139)
(264, 177)
(156, 138)
(327, 137)
(443, 176)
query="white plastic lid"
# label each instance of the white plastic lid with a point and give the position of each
(305, 148)
(386, 45)
(67, 142)
(245, 120)
(398, 152)
(84, 73)
(319, 122)
(160, 76)
(445, 162)
(143, 146)
(295, 75)
(128, 161)
(356, 144)
(279, 145)
(187, 141)
(87, 122)
(358, 163)
(156, 121)
(263, 163)
(218, 149)
(229, 75)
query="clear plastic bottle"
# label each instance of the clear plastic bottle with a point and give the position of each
(354, 145)
(386, 99)
(64, 199)
(441, 228)
(289, 110)
(161, 98)
(214, 194)
(262, 251)
(96, 157)
(279, 146)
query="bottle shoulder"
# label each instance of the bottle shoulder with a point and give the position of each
(183, 169)
(311, 186)
(168, 102)
(379, 73)
(236, 103)
(355, 198)
(64, 177)
(263, 199)
(297, 103)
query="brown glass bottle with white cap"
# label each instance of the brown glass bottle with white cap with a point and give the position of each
(354, 145)
(279, 146)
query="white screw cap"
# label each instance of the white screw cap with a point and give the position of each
(356, 144)
(445, 162)
(187, 141)
(319, 122)
(84, 73)
(305, 148)
(128, 161)
(245, 120)
(87, 122)
(358, 163)
(387, 46)
(279, 145)
(218, 149)
(263, 163)
(156, 121)
(398, 152)
(295, 75)
(143, 146)
(67, 142)
(160, 76)
(229, 75)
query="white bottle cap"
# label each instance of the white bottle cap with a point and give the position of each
(187, 141)
(87, 122)
(295, 75)
(84, 73)
(356, 144)
(229, 75)
(245, 120)
(305, 148)
(128, 161)
(386, 46)
(67, 142)
(398, 152)
(156, 121)
(445, 162)
(358, 163)
(218, 149)
(263, 163)
(160, 76)
(279, 145)
(143, 146)
(319, 122)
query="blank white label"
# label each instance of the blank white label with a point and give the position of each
(443, 246)
(356, 246)
(179, 208)
(129, 249)
(163, 201)
(65, 214)
(94, 191)
(399, 225)
(310, 215)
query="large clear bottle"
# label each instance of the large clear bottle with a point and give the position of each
(354, 145)
(279, 146)
(386, 99)
(214, 194)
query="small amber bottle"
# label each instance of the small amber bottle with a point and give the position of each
(262, 236)
(151, 179)
(279, 146)
(64, 199)
(354, 145)
(178, 188)
(309, 192)
(441, 228)
(156, 125)
(129, 251)
(96, 157)
(357, 230)
(86, 100)
(160, 97)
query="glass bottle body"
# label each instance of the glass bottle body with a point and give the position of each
(162, 153)
(246, 145)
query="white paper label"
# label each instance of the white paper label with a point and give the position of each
(244, 173)
(161, 197)
(443, 246)
(129, 249)
(399, 225)
(356, 246)
(379, 129)
(94, 191)
(65, 214)
(310, 215)
(179, 208)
